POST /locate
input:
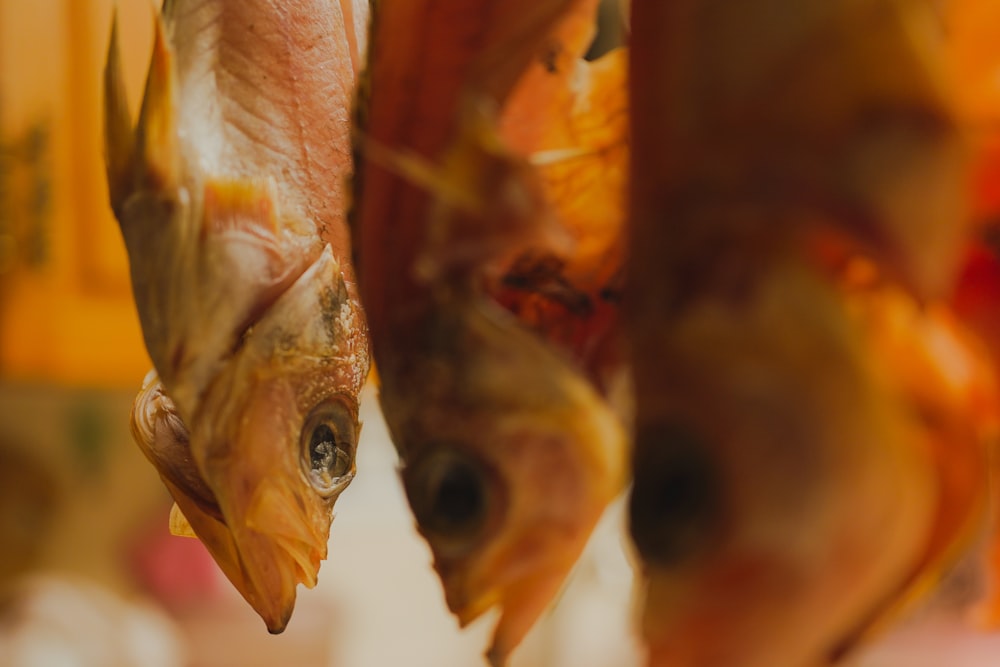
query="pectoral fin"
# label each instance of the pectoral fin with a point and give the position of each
(157, 130)
(145, 159)
(179, 525)
(118, 136)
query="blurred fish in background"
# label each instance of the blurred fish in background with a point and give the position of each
(509, 451)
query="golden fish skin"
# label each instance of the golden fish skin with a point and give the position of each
(230, 194)
(509, 454)
(787, 488)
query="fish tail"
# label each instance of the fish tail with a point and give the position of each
(118, 136)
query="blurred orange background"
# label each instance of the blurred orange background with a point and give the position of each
(66, 314)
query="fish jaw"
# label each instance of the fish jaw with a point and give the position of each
(778, 478)
(545, 529)
(162, 436)
(538, 465)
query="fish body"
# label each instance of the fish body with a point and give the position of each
(230, 192)
(509, 454)
(794, 485)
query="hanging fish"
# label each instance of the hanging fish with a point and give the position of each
(509, 453)
(798, 477)
(230, 193)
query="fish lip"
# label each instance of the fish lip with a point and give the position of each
(525, 588)
(278, 549)
(523, 574)
(277, 513)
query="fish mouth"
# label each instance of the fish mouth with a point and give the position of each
(546, 528)
(277, 547)
(520, 582)
(524, 601)
(266, 553)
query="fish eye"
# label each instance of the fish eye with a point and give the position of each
(329, 441)
(451, 495)
(676, 503)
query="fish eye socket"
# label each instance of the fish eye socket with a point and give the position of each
(451, 495)
(329, 440)
(676, 503)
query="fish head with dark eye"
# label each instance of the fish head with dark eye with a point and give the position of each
(275, 440)
(781, 490)
(456, 498)
(326, 460)
(676, 505)
(509, 459)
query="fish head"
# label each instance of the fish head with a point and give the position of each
(782, 490)
(272, 445)
(276, 434)
(509, 459)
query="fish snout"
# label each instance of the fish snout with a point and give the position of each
(279, 546)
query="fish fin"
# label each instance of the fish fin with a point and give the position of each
(418, 171)
(240, 205)
(157, 130)
(179, 525)
(558, 156)
(118, 136)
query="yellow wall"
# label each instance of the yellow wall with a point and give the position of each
(66, 312)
